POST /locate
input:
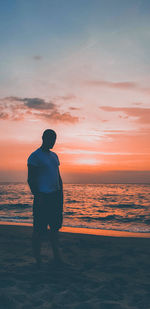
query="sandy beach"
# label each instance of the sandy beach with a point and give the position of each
(101, 272)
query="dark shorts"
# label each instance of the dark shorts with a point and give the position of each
(47, 211)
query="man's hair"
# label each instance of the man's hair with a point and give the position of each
(49, 133)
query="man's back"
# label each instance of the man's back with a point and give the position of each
(47, 164)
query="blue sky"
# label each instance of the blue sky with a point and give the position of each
(54, 30)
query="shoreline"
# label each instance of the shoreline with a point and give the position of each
(88, 231)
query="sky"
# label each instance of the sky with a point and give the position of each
(81, 68)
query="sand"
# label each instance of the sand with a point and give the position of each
(101, 272)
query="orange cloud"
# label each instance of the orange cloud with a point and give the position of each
(142, 114)
(127, 85)
(58, 117)
(109, 84)
(4, 116)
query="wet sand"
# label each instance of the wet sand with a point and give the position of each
(101, 272)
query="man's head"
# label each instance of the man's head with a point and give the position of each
(49, 138)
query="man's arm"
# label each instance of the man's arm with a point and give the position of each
(32, 178)
(61, 189)
(61, 199)
(60, 181)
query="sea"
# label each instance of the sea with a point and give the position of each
(119, 207)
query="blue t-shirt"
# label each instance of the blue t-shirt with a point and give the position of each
(47, 163)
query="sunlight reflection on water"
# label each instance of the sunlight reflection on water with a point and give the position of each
(124, 207)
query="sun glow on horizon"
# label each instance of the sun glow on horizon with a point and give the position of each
(88, 161)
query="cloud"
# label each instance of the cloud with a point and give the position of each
(68, 97)
(126, 85)
(37, 57)
(37, 103)
(4, 116)
(58, 117)
(138, 103)
(109, 84)
(10, 99)
(16, 108)
(33, 103)
(142, 114)
(7, 116)
(74, 108)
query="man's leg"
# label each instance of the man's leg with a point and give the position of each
(39, 226)
(55, 223)
(54, 238)
(36, 246)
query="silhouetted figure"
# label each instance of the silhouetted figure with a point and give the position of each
(46, 185)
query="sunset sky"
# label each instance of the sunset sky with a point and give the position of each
(82, 68)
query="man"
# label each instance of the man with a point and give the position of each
(46, 185)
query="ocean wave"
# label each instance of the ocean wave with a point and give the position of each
(116, 218)
(2, 192)
(147, 221)
(107, 218)
(99, 210)
(16, 206)
(2, 218)
(69, 213)
(71, 201)
(132, 205)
